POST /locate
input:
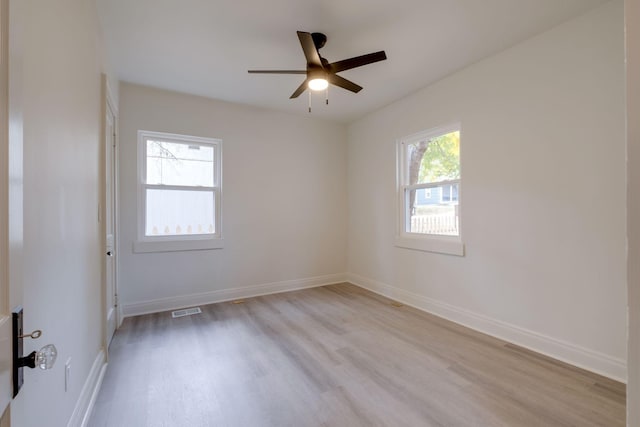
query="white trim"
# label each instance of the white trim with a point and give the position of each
(178, 245)
(439, 244)
(564, 351)
(434, 184)
(632, 45)
(432, 132)
(109, 107)
(182, 301)
(183, 242)
(120, 315)
(116, 208)
(109, 94)
(88, 395)
(449, 245)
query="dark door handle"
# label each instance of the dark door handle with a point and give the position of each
(109, 253)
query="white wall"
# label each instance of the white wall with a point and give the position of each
(62, 65)
(632, 22)
(543, 194)
(283, 207)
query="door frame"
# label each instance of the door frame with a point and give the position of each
(632, 46)
(108, 104)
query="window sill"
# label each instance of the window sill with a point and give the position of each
(177, 245)
(431, 244)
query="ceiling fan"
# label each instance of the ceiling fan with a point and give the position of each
(320, 73)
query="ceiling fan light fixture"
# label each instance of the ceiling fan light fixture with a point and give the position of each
(318, 84)
(320, 72)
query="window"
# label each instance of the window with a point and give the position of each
(429, 191)
(179, 192)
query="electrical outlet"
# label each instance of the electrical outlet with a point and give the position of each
(67, 375)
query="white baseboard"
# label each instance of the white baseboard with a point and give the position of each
(182, 301)
(581, 357)
(89, 393)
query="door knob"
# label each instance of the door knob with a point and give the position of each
(43, 358)
(109, 253)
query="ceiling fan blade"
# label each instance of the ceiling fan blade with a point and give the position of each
(309, 48)
(358, 61)
(300, 89)
(343, 83)
(277, 72)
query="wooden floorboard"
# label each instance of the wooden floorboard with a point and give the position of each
(337, 356)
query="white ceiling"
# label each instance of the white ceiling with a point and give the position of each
(205, 47)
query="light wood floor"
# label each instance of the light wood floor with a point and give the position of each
(337, 356)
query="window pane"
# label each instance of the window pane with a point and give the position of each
(434, 210)
(173, 163)
(433, 160)
(177, 212)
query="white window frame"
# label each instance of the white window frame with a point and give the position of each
(450, 245)
(188, 242)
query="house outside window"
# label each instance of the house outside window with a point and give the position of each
(429, 190)
(179, 192)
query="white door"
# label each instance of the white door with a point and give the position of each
(111, 294)
(10, 212)
(5, 311)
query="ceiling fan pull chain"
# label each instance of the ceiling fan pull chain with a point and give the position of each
(309, 101)
(326, 96)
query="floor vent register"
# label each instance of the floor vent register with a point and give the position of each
(186, 312)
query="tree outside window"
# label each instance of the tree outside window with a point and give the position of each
(430, 165)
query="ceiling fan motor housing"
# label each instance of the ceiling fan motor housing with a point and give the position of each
(319, 40)
(316, 73)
